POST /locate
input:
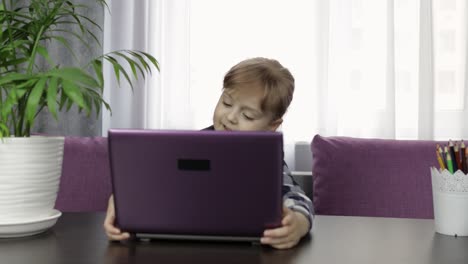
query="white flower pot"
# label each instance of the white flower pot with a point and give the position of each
(30, 170)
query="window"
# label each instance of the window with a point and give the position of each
(222, 33)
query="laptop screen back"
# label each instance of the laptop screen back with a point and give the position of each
(196, 183)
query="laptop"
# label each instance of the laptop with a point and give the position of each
(201, 185)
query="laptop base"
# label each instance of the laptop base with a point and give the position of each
(254, 240)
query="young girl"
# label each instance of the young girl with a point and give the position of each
(256, 95)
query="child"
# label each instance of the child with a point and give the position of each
(256, 94)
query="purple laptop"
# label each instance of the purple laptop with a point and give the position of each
(196, 184)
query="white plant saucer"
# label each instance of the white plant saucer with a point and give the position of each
(29, 227)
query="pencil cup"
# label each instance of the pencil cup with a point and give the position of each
(450, 197)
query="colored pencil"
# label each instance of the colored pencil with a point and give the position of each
(463, 157)
(449, 163)
(452, 155)
(441, 153)
(439, 159)
(457, 156)
(446, 152)
(466, 155)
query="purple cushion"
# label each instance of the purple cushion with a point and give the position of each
(372, 177)
(85, 184)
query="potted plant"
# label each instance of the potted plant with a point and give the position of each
(30, 167)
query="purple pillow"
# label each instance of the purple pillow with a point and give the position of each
(373, 177)
(85, 184)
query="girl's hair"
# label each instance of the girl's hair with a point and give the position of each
(277, 81)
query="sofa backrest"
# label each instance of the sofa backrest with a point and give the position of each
(85, 184)
(373, 177)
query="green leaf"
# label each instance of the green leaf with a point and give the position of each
(118, 68)
(52, 96)
(97, 66)
(152, 59)
(74, 94)
(26, 85)
(4, 131)
(20, 93)
(63, 99)
(141, 59)
(8, 104)
(65, 44)
(13, 77)
(98, 101)
(44, 53)
(77, 36)
(130, 62)
(33, 100)
(14, 44)
(114, 65)
(13, 62)
(69, 105)
(88, 102)
(97, 106)
(74, 75)
(94, 37)
(90, 21)
(107, 106)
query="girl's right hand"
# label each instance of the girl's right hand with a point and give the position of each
(112, 232)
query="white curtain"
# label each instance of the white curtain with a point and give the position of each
(396, 69)
(161, 100)
(363, 68)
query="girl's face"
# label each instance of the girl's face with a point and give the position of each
(240, 109)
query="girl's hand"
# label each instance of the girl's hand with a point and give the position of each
(294, 226)
(112, 232)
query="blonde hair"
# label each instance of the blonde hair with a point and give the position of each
(276, 80)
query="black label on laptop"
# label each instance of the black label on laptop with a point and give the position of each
(193, 164)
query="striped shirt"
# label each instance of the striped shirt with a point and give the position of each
(294, 197)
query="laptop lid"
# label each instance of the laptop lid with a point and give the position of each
(196, 184)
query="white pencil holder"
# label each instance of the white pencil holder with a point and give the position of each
(450, 197)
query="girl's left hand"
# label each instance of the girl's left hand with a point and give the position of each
(294, 226)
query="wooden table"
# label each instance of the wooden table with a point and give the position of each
(79, 238)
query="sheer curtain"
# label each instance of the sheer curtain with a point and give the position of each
(396, 69)
(363, 68)
(162, 100)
